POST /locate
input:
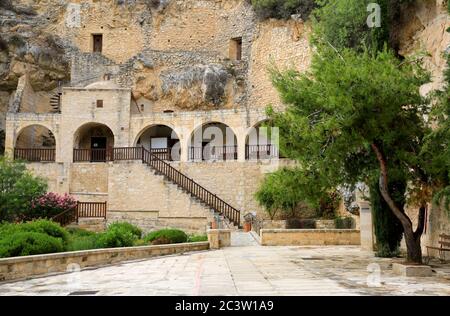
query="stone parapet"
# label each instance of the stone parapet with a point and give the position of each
(309, 237)
(31, 266)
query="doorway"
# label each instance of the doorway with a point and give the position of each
(98, 43)
(98, 149)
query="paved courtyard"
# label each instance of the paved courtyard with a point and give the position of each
(244, 269)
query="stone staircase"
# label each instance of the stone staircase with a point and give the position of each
(55, 101)
(189, 186)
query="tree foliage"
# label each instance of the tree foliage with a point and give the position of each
(288, 191)
(358, 116)
(283, 9)
(18, 189)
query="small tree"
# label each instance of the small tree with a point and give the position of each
(288, 191)
(18, 189)
(356, 117)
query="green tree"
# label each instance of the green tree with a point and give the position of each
(355, 117)
(343, 24)
(282, 9)
(18, 188)
(289, 191)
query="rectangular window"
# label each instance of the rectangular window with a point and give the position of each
(99, 103)
(236, 48)
(97, 43)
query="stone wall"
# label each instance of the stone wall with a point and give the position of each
(135, 189)
(309, 237)
(32, 266)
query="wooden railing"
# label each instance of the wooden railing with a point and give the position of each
(192, 187)
(66, 218)
(127, 153)
(82, 210)
(163, 153)
(261, 152)
(213, 153)
(92, 155)
(91, 209)
(35, 154)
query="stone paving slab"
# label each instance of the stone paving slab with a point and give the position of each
(244, 270)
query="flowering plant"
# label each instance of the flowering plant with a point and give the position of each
(52, 204)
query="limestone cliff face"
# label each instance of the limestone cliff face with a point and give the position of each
(424, 30)
(175, 55)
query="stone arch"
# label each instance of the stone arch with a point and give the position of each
(35, 136)
(261, 142)
(161, 139)
(213, 140)
(82, 138)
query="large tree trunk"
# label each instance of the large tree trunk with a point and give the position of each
(412, 238)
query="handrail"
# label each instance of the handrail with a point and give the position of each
(67, 217)
(82, 210)
(35, 154)
(192, 187)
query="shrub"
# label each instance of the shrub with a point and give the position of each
(78, 232)
(18, 189)
(161, 241)
(136, 231)
(78, 243)
(197, 238)
(29, 243)
(344, 222)
(297, 223)
(174, 236)
(116, 236)
(51, 204)
(46, 227)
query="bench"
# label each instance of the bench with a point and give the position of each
(444, 245)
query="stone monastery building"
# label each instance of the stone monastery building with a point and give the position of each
(162, 116)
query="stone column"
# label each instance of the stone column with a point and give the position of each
(366, 224)
(9, 139)
(241, 139)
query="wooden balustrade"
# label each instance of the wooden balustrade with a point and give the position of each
(261, 152)
(206, 153)
(91, 209)
(127, 153)
(82, 210)
(35, 154)
(192, 187)
(92, 155)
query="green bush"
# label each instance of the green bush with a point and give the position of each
(47, 227)
(78, 243)
(344, 222)
(115, 237)
(78, 232)
(23, 243)
(174, 236)
(197, 238)
(136, 231)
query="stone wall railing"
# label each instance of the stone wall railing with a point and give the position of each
(309, 237)
(30, 266)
